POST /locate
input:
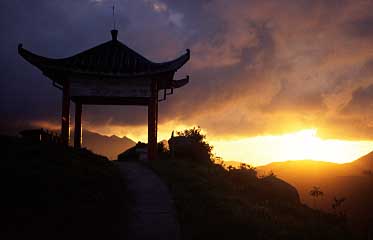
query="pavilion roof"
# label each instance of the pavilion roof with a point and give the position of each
(110, 58)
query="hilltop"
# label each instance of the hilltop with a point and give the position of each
(335, 180)
(55, 192)
(304, 174)
(322, 168)
(218, 202)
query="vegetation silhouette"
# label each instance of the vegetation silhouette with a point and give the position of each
(338, 208)
(214, 201)
(346, 180)
(52, 191)
(316, 193)
(369, 223)
(196, 134)
(191, 143)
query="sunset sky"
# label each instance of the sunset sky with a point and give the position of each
(270, 80)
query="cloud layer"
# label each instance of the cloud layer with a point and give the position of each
(257, 67)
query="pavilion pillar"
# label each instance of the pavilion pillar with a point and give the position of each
(156, 122)
(65, 124)
(78, 126)
(152, 122)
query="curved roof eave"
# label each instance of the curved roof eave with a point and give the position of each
(180, 83)
(44, 63)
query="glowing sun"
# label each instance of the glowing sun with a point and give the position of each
(304, 144)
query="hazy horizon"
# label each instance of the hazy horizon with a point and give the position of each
(265, 149)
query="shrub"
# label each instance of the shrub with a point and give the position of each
(194, 145)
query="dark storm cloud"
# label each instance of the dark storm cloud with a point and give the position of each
(241, 52)
(53, 29)
(361, 28)
(361, 102)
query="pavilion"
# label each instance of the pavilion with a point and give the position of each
(110, 74)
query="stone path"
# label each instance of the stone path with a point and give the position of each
(152, 213)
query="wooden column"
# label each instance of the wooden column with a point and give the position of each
(156, 123)
(152, 122)
(78, 126)
(65, 124)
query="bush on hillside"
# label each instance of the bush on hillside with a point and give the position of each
(218, 202)
(191, 144)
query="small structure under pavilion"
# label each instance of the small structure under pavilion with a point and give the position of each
(110, 74)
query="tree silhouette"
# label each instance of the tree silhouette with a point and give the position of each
(201, 150)
(196, 134)
(316, 193)
(337, 206)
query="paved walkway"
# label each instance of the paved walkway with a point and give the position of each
(152, 213)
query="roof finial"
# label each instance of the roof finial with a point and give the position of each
(114, 18)
(114, 32)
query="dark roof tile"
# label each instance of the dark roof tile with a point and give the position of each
(112, 58)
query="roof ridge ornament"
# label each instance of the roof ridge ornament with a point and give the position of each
(114, 34)
(114, 16)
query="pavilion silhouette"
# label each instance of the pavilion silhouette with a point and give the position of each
(110, 74)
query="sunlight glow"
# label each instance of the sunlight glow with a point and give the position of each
(261, 150)
(300, 145)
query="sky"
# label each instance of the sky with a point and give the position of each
(259, 69)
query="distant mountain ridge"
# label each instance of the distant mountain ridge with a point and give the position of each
(335, 180)
(321, 168)
(105, 145)
(363, 163)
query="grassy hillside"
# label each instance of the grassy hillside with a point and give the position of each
(216, 203)
(53, 192)
(363, 163)
(304, 174)
(335, 180)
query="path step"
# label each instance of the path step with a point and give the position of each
(152, 212)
